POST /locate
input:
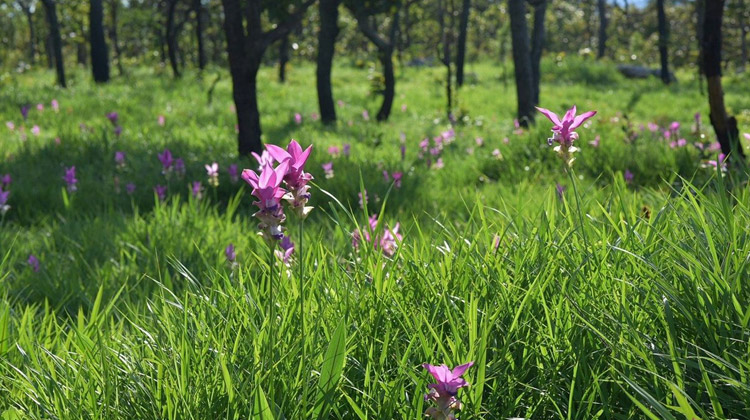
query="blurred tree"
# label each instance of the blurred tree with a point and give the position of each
(522, 61)
(27, 7)
(329, 30)
(199, 16)
(99, 53)
(663, 41)
(602, 47)
(537, 45)
(113, 8)
(461, 47)
(247, 41)
(54, 29)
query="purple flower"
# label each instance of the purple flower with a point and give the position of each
(234, 175)
(347, 149)
(4, 207)
(362, 199)
(35, 130)
(653, 127)
(161, 120)
(497, 154)
(365, 115)
(443, 392)
(213, 174)
(10, 125)
(397, 179)
(403, 151)
(296, 178)
(674, 127)
(595, 143)
(262, 159)
(179, 167)
(479, 141)
(230, 253)
(25, 112)
(334, 151)
(563, 130)
(130, 188)
(287, 249)
(161, 192)
(298, 118)
(328, 169)
(118, 131)
(386, 177)
(55, 105)
(387, 241)
(559, 190)
(6, 180)
(720, 163)
(165, 158)
(33, 263)
(197, 190)
(120, 158)
(40, 107)
(267, 189)
(628, 176)
(113, 117)
(70, 179)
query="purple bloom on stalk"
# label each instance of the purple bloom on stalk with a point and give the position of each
(33, 263)
(595, 142)
(563, 130)
(230, 253)
(334, 151)
(287, 249)
(161, 192)
(213, 174)
(120, 158)
(720, 163)
(234, 175)
(55, 105)
(628, 176)
(70, 179)
(386, 177)
(179, 167)
(267, 189)
(387, 241)
(113, 117)
(161, 120)
(196, 188)
(10, 125)
(443, 392)
(328, 169)
(4, 207)
(165, 158)
(747, 136)
(653, 127)
(130, 188)
(40, 107)
(674, 127)
(118, 131)
(35, 130)
(403, 151)
(347, 149)
(298, 118)
(559, 190)
(362, 199)
(25, 112)
(262, 159)
(295, 177)
(397, 179)
(6, 180)
(365, 115)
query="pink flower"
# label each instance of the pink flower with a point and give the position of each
(747, 136)
(165, 158)
(197, 190)
(296, 178)
(719, 163)
(595, 142)
(386, 177)
(563, 131)
(33, 263)
(365, 115)
(628, 176)
(328, 169)
(35, 130)
(479, 141)
(40, 107)
(497, 154)
(213, 174)
(161, 120)
(387, 241)
(314, 116)
(298, 118)
(120, 158)
(55, 105)
(347, 149)
(267, 189)
(5, 180)
(287, 249)
(443, 392)
(262, 158)
(403, 107)
(438, 164)
(340, 103)
(4, 207)
(653, 127)
(334, 151)
(10, 125)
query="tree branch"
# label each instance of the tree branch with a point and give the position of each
(285, 27)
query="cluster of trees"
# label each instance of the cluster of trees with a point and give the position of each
(245, 34)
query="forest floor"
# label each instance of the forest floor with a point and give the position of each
(615, 289)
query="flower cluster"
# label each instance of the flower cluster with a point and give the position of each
(5, 181)
(563, 131)
(267, 188)
(443, 392)
(70, 179)
(387, 241)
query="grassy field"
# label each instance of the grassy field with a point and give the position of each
(617, 291)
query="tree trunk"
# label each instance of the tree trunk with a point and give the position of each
(386, 59)
(445, 41)
(48, 51)
(198, 6)
(32, 35)
(99, 53)
(602, 4)
(172, 37)
(663, 40)
(283, 58)
(81, 53)
(54, 30)
(329, 30)
(743, 35)
(700, 9)
(724, 125)
(537, 45)
(463, 27)
(522, 60)
(113, 36)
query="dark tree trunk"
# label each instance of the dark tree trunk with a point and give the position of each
(743, 35)
(522, 60)
(54, 30)
(463, 27)
(283, 58)
(113, 36)
(172, 37)
(664, 40)
(329, 30)
(245, 53)
(198, 7)
(700, 8)
(81, 53)
(48, 51)
(445, 40)
(602, 5)
(537, 45)
(99, 53)
(386, 59)
(32, 35)
(724, 125)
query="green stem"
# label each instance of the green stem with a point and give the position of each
(301, 275)
(571, 175)
(271, 353)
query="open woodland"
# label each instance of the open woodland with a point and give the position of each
(381, 209)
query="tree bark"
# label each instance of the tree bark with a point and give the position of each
(663, 40)
(724, 125)
(48, 51)
(113, 36)
(463, 27)
(54, 30)
(283, 58)
(537, 45)
(602, 50)
(99, 53)
(329, 30)
(81, 53)
(522, 60)
(171, 36)
(700, 9)
(198, 7)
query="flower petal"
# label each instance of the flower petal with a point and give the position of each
(550, 115)
(581, 118)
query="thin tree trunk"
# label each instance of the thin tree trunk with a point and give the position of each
(724, 125)
(522, 61)
(113, 36)
(602, 50)
(743, 35)
(663, 41)
(700, 9)
(81, 53)
(386, 59)
(32, 36)
(48, 51)
(329, 30)
(172, 37)
(445, 56)
(537, 45)
(99, 53)
(54, 30)
(283, 58)
(198, 6)
(461, 47)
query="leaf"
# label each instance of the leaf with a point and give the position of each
(261, 409)
(330, 372)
